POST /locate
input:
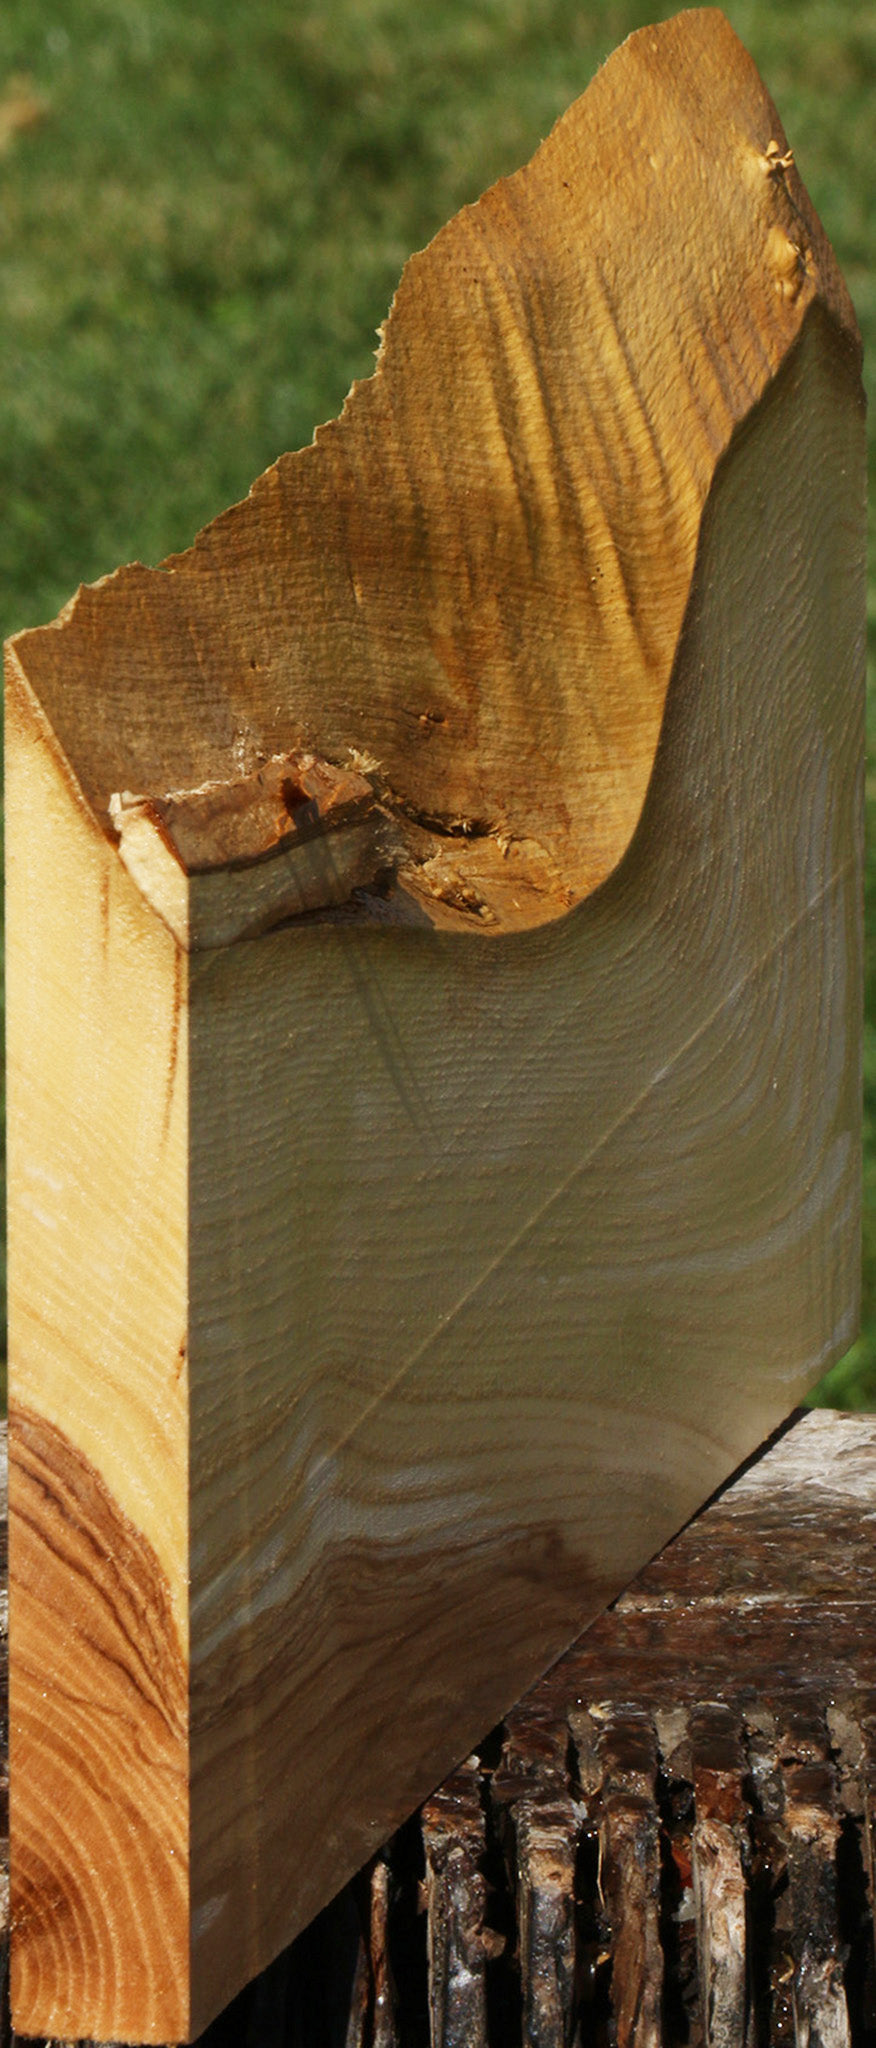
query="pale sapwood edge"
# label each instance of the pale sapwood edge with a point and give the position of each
(465, 598)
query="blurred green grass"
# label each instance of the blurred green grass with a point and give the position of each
(204, 214)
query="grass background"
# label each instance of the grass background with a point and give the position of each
(205, 210)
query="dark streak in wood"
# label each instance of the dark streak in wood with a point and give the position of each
(173, 1052)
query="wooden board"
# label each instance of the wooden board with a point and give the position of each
(434, 995)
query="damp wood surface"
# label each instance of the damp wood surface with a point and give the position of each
(669, 1840)
(433, 1041)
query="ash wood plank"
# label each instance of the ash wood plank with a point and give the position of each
(445, 1056)
(343, 1242)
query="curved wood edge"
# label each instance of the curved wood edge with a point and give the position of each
(470, 588)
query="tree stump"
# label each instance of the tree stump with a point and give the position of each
(434, 996)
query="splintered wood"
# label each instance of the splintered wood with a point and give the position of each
(433, 1050)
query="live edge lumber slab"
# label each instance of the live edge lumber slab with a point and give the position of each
(434, 994)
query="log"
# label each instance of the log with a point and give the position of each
(434, 990)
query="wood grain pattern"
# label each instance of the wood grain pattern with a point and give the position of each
(99, 1811)
(406, 1273)
(97, 1144)
(681, 1058)
(477, 577)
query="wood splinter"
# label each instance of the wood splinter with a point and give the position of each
(433, 1039)
(232, 859)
